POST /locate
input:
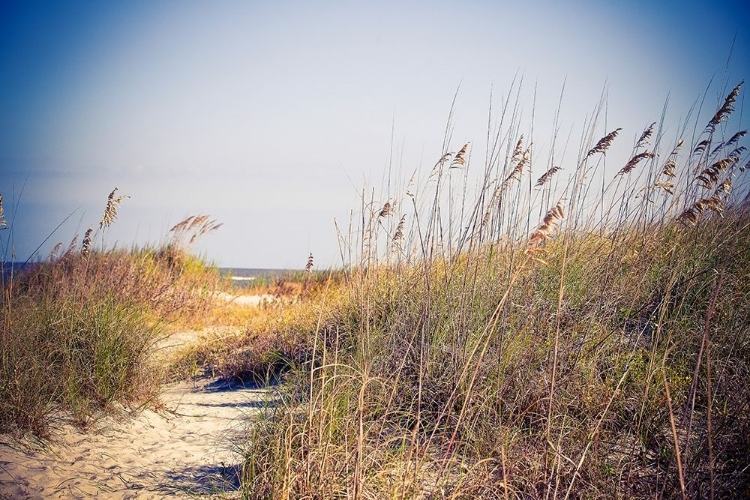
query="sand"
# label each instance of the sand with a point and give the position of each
(186, 448)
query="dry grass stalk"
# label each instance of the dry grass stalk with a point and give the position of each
(735, 138)
(701, 147)
(3, 222)
(631, 164)
(604, 143)
(86, 245)
(72, 246)
(517, 151)
(668, 168)
(310, 263)
(110, 211)
(460, 158)
(726, 109)
(549, 223)
(199, 225)
(645, 136)
(547, 175)
(399, 234)
(667, 186)
(521, 156)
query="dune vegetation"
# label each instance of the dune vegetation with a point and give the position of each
(532, 338)
(79, 328)
(492, 333)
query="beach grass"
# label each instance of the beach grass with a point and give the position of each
(80, 327)
(587, 339)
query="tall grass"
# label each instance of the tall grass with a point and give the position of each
(533, 339)
(79, 328)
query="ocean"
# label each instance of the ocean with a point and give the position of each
(246, 277)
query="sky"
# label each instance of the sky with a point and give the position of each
(272, 117)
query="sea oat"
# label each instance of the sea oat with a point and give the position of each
(709, 176)
(701, 146)
(72, 246)
(86, 245)
(547, 175)
(668, 168)
(310, 264)
(399, 234)
(517, 150)
(386, 210)
(110, 212)
(714, 203)
(726, 109)
(604, 143)
(53, 253)
(549, 223)
(630, 165)
(460, 158)
(643, 140)
(667, 186)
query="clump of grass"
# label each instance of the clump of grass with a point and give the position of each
(600, 353)
(79, 328)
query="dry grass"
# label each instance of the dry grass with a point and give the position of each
(586, 357)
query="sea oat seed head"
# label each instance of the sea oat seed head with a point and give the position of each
(546, 176)
(86, 245)
(110, 212)
(604, 143)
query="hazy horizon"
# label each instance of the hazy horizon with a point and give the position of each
(272, 117)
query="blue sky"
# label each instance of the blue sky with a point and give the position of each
(272, 116)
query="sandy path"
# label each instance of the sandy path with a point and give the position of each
(186, 449)
(183, 451)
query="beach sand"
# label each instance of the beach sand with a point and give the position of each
(185, 448)
(188, 449)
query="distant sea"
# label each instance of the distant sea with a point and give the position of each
(246, 277)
